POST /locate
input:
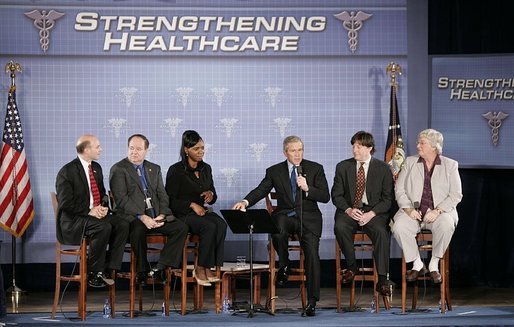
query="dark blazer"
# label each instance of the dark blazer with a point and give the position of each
(74, 198)
(129, 196)
(277, 177)
(379, 186)
(183, 187)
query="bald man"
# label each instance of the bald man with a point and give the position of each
(83, 211)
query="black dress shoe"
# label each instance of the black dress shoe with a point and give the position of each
(158, 274)
(106, 278)
(347, 275)
(310, 310)
(385, 288)
(141, 278)
(282, 275)
(95, 279)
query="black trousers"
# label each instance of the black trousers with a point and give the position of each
(171, 254)
(377, 229)
(111, 230)
(310, 246)
(212, 230)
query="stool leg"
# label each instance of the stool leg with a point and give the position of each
(132, 284)
(404, 284)
(446, 276)
(338, 278)
(375, 293)
(83, 280)
(57, 280)
(217, 291)
(257, 289)
(352, 294)
(112, 294)
(442, 287)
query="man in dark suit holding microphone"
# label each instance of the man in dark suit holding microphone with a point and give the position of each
(363, 193)
(300, 184)
(83, 211)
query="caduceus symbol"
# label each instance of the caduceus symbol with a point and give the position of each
(184, 93)
(273, 93)
(171, 124)
(229, 174)
(352, 22)
(282, 124)
(494, 120)
(44, 22)
(228, 124)
(117, 124)
(219, 94)
(258, 149)
(128, 94)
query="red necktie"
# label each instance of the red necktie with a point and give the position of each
(359, 189)
(94, 187)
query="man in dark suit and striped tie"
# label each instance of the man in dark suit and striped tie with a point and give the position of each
(83, 211)
(363, 193)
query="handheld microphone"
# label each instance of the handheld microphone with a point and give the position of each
(416, 207)
(149, 210)
(299, 170)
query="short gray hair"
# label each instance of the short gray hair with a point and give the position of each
(434, 137)
(291, 139)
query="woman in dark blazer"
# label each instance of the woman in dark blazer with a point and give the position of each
(190, 188)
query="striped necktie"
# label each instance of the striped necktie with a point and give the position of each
(94, 187)
(359, 188)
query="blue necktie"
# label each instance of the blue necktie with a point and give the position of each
(142, 178)
(293, 183)
(149, 210)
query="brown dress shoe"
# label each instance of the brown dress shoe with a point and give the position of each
(347, 275)
(436, 277)
(412, 275)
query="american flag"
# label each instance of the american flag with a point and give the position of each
(16, 204)
(395, 152)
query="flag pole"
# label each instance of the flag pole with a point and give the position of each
(14, 290)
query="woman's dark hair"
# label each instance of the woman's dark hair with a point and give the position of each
(189, 139)
(365, 139)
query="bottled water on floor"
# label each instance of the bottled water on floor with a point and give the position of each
(107, 309)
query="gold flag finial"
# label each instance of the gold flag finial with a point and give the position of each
(12, 67)
(394, 68)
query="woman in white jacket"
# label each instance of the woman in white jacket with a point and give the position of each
(428, 190)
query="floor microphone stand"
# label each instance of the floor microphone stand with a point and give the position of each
(251, 307)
